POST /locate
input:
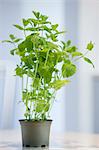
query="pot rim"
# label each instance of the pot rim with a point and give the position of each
(24, 120)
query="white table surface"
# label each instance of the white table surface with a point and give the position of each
(11, 140)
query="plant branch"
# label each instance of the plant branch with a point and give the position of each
(81, 56)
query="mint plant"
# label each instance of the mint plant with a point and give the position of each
(45, 62)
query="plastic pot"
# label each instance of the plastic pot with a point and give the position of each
(35, 133)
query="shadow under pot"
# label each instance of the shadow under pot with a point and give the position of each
(35, 133)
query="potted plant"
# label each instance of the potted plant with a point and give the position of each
(46, 63)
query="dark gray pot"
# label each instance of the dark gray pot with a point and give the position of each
(35, 133)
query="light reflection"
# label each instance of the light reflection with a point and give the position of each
(40, 148)
(35, 148)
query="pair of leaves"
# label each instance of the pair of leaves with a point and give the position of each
(66, 44)
(54, 27)
(12, 40)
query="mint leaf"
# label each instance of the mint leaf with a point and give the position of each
(54, 27)
(18, 27)
(90, 46)
(7, 41)
(12, 37)
(68, 43)
(25, 22)
(13, 51)
(75, 54)
(71, 49)
(89, 61)
(36, 14)
(68, 70)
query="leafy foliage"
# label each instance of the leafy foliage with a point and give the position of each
(40, 54)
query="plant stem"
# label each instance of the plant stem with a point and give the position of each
(52, 101)
(81, 56)
(24, 32)
(46, 57)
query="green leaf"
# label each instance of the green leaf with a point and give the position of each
(31, 29)
(22, 46)
(18, 27)
(68, 70)
(7, 41)
(36, 14)
(46, 108)
(30, 73)
(43, 17)
(90, 46)
(59, 83)
(33, 21)
(36, 83)
(75, 54)
(25, 22)
(20, 71)
(47, 29)
(52, 46)
(61, 32)
(26, 45)
(71, 49)
(13, 51)
(12, 37)
(46, 72)
(89, 61)
(68, 43)
(67, 61)
(28, 60)
(64, 45)
(17, 40)
(54, 27)
(53, 37)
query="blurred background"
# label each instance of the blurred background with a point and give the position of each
(77, 106)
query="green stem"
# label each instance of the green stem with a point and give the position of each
(81, 56)
(33, 84)
(46, 57)
(24, 32)
(52, 101)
